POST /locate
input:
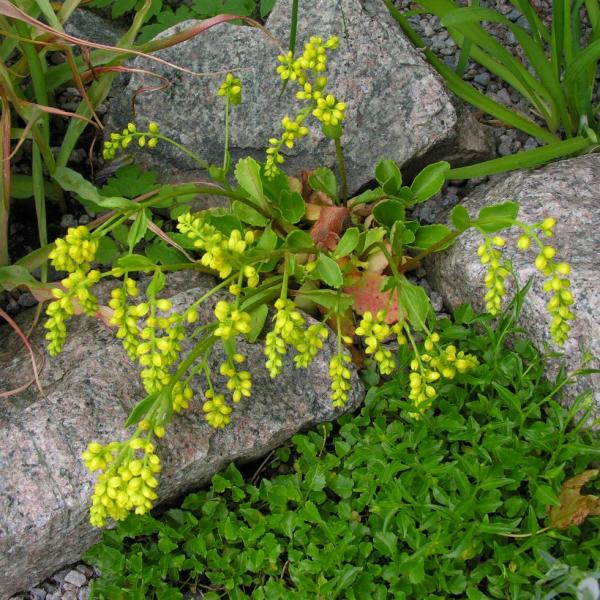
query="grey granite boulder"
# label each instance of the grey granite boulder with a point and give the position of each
(570, 192)
(90, 26)
(89, 390)
(397, 105)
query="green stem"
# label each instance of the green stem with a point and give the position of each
(342, 168)
(198, 349)
(39, 195)
(214, 290)
(199, 161)
(226, 149)
(286, 277)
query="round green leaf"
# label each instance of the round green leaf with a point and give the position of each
(429, 181)
(328, 271)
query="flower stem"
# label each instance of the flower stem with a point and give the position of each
(342, 168)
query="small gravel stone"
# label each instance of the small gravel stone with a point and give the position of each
(482, 78)
(76, 578)
(530, 144)
(38, 594)
(78, 155)
(83, 593)
(68, 221)
(69, 595)
(87, 571)
(513, 15)
(12, 308)
(27, 300)
(436, 300)
(505, 148)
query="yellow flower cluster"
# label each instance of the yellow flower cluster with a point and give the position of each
(221, 253)
(287, 329)
(73, 254)
(557, 282)
(126, 316)
(231, 320)
(239, 382)
(160, 345)
(128, 481)
(329, 111)
(75, 251)
(496, 274)
(123, 139)
(324, 107)
(231, 88)
(431, 366)
(340, 378)
(314, 58)
(181, 396)
(375, 330)
(216, 410)
(310, 344)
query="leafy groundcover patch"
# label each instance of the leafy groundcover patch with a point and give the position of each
(463, 502)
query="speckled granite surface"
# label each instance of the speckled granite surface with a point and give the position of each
(569, 191)
(397, 105)
(89, 390)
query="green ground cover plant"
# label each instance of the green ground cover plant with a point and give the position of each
(474, 500)
(556, 76)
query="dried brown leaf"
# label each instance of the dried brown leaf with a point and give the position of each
(574, 507)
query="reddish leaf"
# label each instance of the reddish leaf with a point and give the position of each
(365, 290)
(574, 508)
(326, 231)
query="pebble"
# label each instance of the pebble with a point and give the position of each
(83, 593)
(12, 307)
(482, 78)
(75, 577)
(436, 301)
(68, 221)
(27, 300)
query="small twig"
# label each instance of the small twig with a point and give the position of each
(254, 478)
(525, 535)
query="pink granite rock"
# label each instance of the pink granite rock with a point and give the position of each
(570, 192)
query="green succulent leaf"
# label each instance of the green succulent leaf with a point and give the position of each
(429, 235)
(248, 176)
(387, 212)
(299, 240)
(347, 243)
(291, 205)
(323, 180)
(429, 181)
(328, 271)
(388, 176)
(460, 217)
(497, 217)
